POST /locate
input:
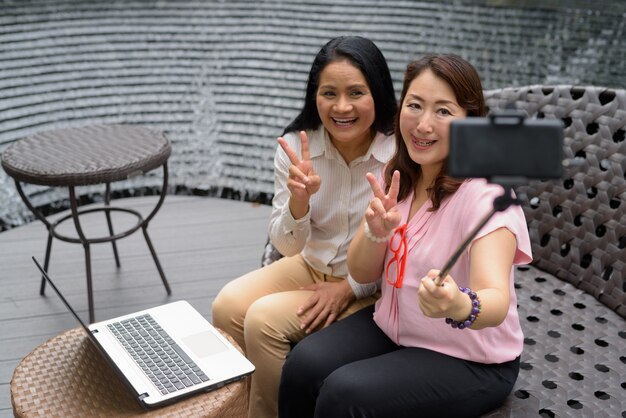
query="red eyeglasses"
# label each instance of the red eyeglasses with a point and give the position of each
(397, 245)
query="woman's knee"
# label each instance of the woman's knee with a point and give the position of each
(267, 317)
(228, 305)
(307, 364)
(341, 395)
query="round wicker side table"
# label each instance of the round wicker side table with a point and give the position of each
(68, 377)
(89, 155)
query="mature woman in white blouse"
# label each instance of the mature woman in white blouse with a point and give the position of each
(343, 131)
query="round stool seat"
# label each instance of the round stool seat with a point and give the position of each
(68, 377)
(86, 155)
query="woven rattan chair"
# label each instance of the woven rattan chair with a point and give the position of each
(572, 299)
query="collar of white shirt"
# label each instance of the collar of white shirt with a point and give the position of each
(381, 149)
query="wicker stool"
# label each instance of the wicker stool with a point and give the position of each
(97, 154)
(68, 377)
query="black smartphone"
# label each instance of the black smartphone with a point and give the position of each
(506, 145)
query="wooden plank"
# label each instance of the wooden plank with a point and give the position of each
(202, 243)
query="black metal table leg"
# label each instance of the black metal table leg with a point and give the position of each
(83, 239)
(49, 227)
(107, 195)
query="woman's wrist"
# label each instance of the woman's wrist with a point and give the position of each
(469, 315)
(375, 238)
(349, 292)
(298, 209)
(463, 308)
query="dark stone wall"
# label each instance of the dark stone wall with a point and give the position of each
(223, 78)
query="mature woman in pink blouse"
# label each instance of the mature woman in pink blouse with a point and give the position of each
(428, 348)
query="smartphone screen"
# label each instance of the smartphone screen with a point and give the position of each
(506, 145)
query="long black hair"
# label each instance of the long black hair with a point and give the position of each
(364, 55)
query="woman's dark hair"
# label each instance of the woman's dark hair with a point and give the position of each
(465, 82)
(364, 55)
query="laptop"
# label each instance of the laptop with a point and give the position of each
(165, 353)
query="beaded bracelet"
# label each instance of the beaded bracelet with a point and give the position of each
(374, 238)
(476, 306)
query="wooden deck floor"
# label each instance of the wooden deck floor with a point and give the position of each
(202, 243)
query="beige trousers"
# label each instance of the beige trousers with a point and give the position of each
(259, 311)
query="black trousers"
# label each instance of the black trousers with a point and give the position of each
(352, 369)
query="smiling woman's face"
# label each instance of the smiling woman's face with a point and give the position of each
(428, 108)
(345, 103)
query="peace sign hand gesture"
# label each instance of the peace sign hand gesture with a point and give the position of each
(303, 180)
(382, 215)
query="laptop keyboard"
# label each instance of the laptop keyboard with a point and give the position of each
(158, 355)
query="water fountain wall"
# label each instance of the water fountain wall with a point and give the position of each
(223, 78)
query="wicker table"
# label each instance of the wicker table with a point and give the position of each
(68, 377)
(94, 154)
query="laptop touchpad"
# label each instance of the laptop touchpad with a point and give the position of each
(204, 344)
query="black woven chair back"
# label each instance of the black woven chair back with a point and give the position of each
(577, 224)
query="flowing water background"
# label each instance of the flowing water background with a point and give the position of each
(223, 78)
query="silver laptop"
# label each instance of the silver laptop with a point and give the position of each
(166, 352)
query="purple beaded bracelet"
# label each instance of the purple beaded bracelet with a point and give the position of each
(473, 314)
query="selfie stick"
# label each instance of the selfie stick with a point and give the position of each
(500, 204)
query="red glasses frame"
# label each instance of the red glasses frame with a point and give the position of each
(399, 256)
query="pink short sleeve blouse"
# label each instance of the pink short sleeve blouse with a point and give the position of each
(431, 238)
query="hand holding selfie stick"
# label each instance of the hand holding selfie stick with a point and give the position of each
(500, 204)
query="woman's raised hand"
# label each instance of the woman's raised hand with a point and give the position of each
(382, 214)
(303, 180)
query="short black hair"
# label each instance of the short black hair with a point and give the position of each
(364, 55)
